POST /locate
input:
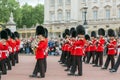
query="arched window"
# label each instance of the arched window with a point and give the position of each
(59, 15)
(107, 11)
(95, 12)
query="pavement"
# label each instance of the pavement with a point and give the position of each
(56, 71)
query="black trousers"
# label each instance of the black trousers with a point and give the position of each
(64, 57)
(45, 63)
(8, 63)
(91, 55)
(99, 57)
(109, 58)
(85, 57)
(3, 66)
(117, 63)
(12, 59)
(16, 57)
(77, 63)
(39, 67)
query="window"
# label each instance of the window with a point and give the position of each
(119, 13)
(107, 14)
(52, 3)
(52, 16)
(60, 15)
(95, 0)
(60, 2)
(83, 15)
(84, 0)
(67, 15)
(68, 1)
(95, 15)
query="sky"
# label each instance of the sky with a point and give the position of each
(31, 2)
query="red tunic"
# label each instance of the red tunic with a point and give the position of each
(4, 51)
(13, 46)
(100, 45)
(17, 44)
(73, 47)
(40, 50)
(112, 47)
(10, 43)
(87, 46)
(46, 50)
(79, 47)
(1, 50)
(93, 45)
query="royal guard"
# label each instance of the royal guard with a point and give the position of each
(87, 49)
(8, 60)
(72, 40)
(4, 53)
(111, 45)
(40, 50)
(63, 49)
(79, 51)
(13, 49)
(66, 47)
(17, 36)
(92, 47)
(100, 48)
(10, 43)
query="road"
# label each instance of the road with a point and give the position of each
(56, 71)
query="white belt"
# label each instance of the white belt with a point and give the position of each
(111, 48)
(78, 47)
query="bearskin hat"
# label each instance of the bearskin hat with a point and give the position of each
(17, 34)
(46, 32)
(87, 37)
(13, 36)
(67, 31)
(74, 33)
(80, 30)
(9, 32)
(40, 30)
(111, 33)
(63, 35)
(71, 30)
(101, 31)
(4, 34)
(93, 34)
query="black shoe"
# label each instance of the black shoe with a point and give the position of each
(66, 69)
(9, 69)
(78, 74)
(40, 76)
(64, 65)
(59, 61)
(35, 76)
(4, 73)
(113, 70)
(103, 68)
(110, 69)
(71, 74)
(95, 65)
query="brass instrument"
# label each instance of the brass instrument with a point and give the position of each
(34, 44)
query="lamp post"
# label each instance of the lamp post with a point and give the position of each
(85, 20)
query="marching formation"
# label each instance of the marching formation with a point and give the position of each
(9, 50)
(79, 47)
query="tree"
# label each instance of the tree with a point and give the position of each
(25, 15)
